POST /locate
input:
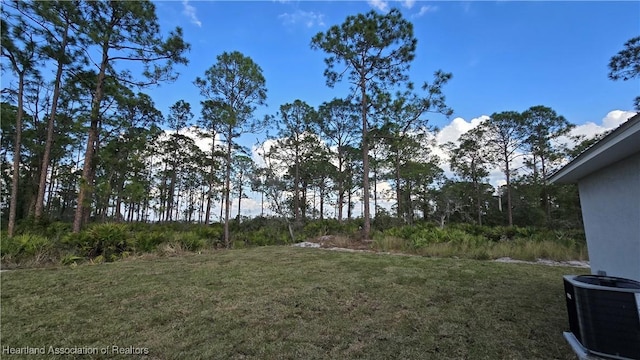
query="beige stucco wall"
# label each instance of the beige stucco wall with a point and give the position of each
(610, 201)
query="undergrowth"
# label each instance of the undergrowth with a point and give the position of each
(54, 243)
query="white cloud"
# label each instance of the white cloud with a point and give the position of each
(613, 119)
(424, 9)
(258, 151)
(408, 3)
(452, 133)
(381, 5)
(308, 18)
(590, 129)
(203, 143)
(587, 130)
(250, 207)
(457, 127)
(190, 12)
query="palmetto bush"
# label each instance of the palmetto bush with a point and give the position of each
(109, 240)
(189, 241)
(148, 241)
(24, 245)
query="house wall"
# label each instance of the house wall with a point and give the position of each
(610, 201)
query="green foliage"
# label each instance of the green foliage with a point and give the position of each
(264, 236)
(25, 245)
(374, 47)
(233, 87)
(213, 234)
(70, 259)
(411, 232)
(261, 231)
(329, 227)
(54, 230)
(484, 242)
(625, 65)
(384, 220)
(189, 241)
(376, 51)
(148, 241)
(110, 240)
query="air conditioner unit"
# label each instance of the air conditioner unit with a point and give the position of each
(604, 315)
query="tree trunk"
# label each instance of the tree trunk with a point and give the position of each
(375, 186)
(211, 179)
(399, 211)
(303, 201)
(476, 187)
(340, 187)
(366, 228)
(296, 186)
(16, 159)
(170, 192)
(227, 188)
(44, 169)
(545, 193)
(207, 212)
(478, 202)
(239, 196)
(507, 174)
(262, 204)
(409, 203)
(203, 194)
(50, 189)
(86, 182)
(322, 194)
(221, 206)
(177, 203)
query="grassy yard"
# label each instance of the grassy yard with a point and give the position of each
(290, 303)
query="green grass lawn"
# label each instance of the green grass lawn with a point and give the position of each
(291, 303)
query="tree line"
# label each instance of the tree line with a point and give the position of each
(88, 145)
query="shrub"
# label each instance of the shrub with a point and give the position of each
(263, 231)
(25, 245)
(389, 243)
(149, 241)
(212, 234)
(8, 247)
(109, 240)
(189, 241)
(385, 221)
(256, 223)
(264, 237)
(320, 228)
(70, 259)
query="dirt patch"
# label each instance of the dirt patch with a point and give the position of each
(342, 243)
(338, 243)
(572, 263)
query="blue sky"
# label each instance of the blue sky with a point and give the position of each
(504, 55)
